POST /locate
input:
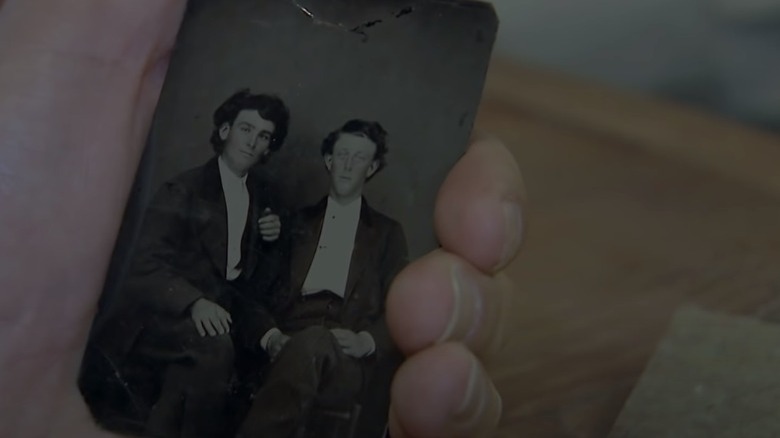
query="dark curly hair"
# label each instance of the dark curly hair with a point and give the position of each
(371, 130)
(269, 107)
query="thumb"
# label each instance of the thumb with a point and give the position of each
(91, 71)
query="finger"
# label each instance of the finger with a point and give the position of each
(200, 327)
(269, 230)
(228, 317)
(443, 392)
(478, 211)
(441, 297)
(211, 327)
(339, 337)
(338, 334)
(223, 323)
(92, 70)
(128, 29)
(217, 324)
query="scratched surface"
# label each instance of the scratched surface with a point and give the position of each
(415, 65)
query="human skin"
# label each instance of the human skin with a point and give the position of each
(78, 84)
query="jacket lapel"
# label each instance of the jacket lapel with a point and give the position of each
(305, 244)
(214, 232)
(251, 236)
(361, 251)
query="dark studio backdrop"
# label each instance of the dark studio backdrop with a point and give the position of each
(418, 71)
(416, 66)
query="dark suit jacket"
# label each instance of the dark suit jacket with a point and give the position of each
(181, 256)
(379, 253)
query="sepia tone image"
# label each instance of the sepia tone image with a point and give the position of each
(290, 174)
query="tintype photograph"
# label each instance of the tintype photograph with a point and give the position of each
(290, 174)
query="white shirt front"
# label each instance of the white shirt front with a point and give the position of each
(330, 268)
(237, 204)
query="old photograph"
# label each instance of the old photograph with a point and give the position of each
(290, 174)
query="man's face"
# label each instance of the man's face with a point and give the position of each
(246, 140)
(350, 165)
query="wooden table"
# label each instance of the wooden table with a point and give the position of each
(636, 207)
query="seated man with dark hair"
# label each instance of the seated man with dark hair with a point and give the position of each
(206, 256)
(331, 331)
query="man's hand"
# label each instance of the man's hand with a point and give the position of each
(270, 226)
(211, 318)
(352, 344)
(276, 342)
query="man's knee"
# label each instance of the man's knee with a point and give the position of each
(214, 351)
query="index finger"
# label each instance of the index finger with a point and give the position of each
(478, 212)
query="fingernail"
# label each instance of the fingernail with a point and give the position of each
(467, 308)
(480, 410)
(513, 229)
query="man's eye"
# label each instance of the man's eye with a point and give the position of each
(245, 129)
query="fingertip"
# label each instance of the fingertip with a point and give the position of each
(478, 213)
(444, 392)
(441, 298)
(420, 304)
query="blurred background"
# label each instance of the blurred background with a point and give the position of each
(646, 131)
(723, 55)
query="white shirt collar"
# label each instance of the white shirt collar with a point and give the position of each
(227, 175)
(353, 207)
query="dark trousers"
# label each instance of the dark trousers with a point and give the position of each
(196, 377)
(310, 369)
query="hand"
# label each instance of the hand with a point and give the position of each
(275, 344)
(270, 226)
(444, 310)
(351, 343)
(91, 72)
(210, 318)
